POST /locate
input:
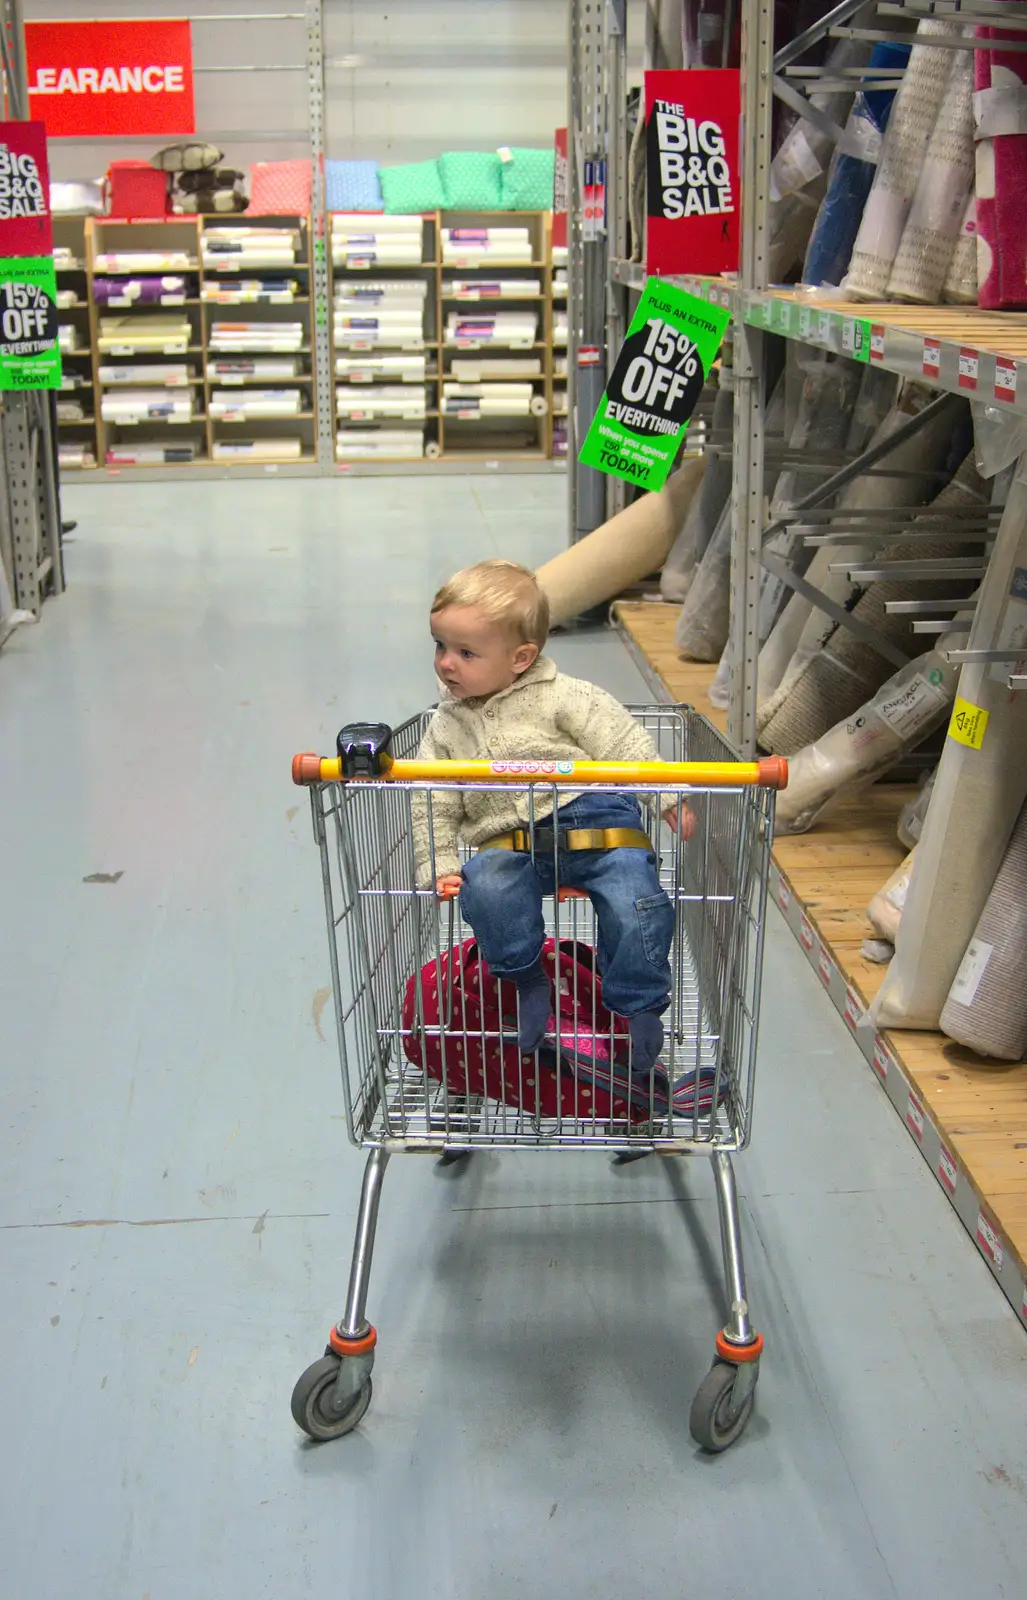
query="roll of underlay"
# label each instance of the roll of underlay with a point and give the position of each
(960, 287)
(384, 442)
(912, 120)
(986, 1009)
(623, 550)
(977, 797)
(859, 749)
(923, 452)
(386, 400)
(946, 180)
(832, 684)
(395, 367)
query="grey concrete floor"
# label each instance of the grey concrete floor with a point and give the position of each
(177, 1193)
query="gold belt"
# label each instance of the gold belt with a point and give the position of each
(570, 839)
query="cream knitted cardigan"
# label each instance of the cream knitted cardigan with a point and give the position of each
(544, 716)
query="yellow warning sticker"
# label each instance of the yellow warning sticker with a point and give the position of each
(968, 724)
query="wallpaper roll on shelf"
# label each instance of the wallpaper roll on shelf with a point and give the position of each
(986, 1009)
(910, 125)
(939, 205)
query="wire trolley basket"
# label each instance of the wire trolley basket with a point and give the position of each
(428, 1039)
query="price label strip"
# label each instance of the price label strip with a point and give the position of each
(655, 385)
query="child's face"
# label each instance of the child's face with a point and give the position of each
(475, 656)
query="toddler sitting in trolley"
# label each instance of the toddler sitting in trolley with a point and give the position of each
(502, 699)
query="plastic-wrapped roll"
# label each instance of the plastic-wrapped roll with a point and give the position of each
(986, 1009)
(977, 797)
(946, 179)
(631, 545)
(538, 405)
(911, 817)
(859, 749)
(885, 909)
(851, 176)
(905, 145)
(961, 283)
(433, 450)
(834, 682)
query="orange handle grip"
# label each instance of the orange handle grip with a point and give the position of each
(771, 772)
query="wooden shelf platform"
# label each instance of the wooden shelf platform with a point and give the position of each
(967, 1115)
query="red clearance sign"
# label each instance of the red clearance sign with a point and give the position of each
(693, 211)
(111, 79)
(25, 228)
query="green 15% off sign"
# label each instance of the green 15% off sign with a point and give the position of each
(30, 356)
(655, 385)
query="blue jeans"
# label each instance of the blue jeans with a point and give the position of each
(502, 894)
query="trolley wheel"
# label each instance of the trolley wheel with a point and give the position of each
(713, 1420)
(312, 1408)
(449, 1158)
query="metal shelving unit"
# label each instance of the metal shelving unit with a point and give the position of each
(30, 516)
(955, 350)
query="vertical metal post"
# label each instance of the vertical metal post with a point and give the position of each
(617, 316)
(320, 286)
(29, 435)
(586, 261)
(747, 482)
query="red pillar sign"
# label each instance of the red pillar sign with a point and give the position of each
(693, 210)
(111, 79)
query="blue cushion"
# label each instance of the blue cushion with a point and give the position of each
(353, 186)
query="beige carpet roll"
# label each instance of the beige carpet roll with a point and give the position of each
(987, 1005)
(630, 546)
(913, 116)
(946, 179)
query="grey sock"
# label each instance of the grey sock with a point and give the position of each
(534, 1004)
(647, 1036)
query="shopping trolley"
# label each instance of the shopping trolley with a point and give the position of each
(406, 1080)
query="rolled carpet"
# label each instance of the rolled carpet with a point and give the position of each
(628, 547)
(912, 120)
(946, 179)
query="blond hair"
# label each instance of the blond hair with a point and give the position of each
(506, 592)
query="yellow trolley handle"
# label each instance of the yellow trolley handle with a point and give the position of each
(363, 756)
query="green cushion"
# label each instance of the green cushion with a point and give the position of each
(415, 187)
(471, 180)
(528, 179)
